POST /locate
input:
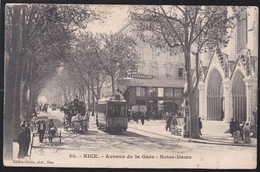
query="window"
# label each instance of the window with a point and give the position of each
(123, 110)
(168, 92)
(118, 110)
(141, 67)
(141, 50)
(181, 56)
(160, 92)
(153, 52)
(140, 91)
(101, 108)
(178, 92)
(160, 105)
(180, 72)
(154, 71)
(152, 91)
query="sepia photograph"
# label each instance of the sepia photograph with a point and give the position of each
(130, 86)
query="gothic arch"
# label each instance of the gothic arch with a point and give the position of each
(239, 96)
(215, 97)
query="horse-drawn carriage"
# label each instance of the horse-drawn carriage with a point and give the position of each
(75, 117)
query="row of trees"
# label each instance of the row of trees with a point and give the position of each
(45, 42)
(37, 41)
(97, 60)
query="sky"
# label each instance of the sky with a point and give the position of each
(115, 15)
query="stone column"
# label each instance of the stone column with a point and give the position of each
(202, 101)
(251, 96)
(252, 25)
(228, 109)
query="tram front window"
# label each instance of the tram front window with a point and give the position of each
(118, 110)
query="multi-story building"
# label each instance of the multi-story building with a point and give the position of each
(229, 76)
(158, 82)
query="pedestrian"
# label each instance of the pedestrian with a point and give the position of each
(241, 126)
(34, 111)
(41, 130)
(173, 125)
(200, 126)
(133, 115)
(52, 130)
(27, 138)
(153, 115)
(246, 131)
(137, 116)
(128, 114)
(147, 115)
(232, 126)
(142, 117)
(76, 102)
(21, 142)
(168, 123)
(237, 135)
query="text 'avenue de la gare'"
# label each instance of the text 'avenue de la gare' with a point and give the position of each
(118, 156)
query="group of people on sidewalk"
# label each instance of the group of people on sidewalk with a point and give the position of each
(140, 115)
(171, 123)
(240, 132)
(24, 136)
(52, 129)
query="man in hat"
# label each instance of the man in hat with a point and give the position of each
(232, 126)
(22, 143)
(41, 130)
(27, 138)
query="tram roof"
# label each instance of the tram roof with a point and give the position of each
(113, 98)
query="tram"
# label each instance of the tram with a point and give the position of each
(112, 113)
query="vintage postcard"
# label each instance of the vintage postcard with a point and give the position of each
(130, 86)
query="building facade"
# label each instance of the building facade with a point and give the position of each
(158, 81)
(228, 86)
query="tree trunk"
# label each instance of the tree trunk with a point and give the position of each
(65, 96)
(113, 84)
(9, 110)
(10, 119)
(98, 88)
(88, 95)
(194, 129)
(93, 97)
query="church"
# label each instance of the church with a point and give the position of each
(229, 78)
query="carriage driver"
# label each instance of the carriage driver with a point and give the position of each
(76, 101)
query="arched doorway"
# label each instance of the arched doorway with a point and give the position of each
(215, 97)
(239, 97)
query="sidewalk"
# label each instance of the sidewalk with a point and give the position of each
(213, 132)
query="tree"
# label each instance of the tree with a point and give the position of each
(186, 29)
(37, 40)
(117, 54)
